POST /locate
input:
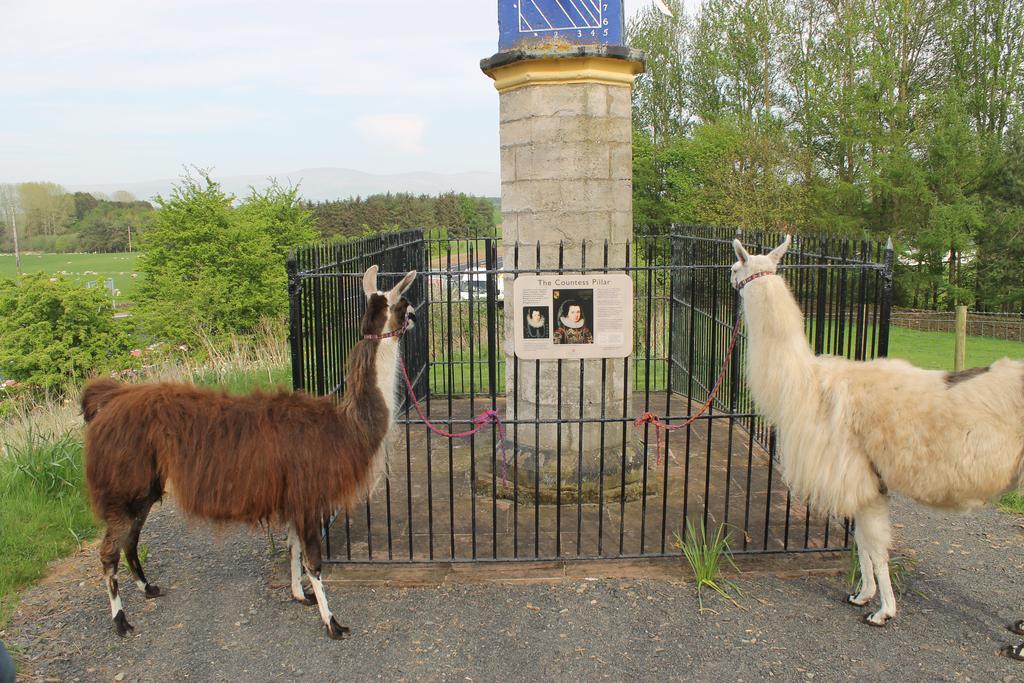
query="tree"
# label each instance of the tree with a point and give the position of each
(985, 57)
(869, 118)
(1000, 240)
(277, 213)
(210, 268)
(9, 209)
(112, 227)
(83, 203)
(47, 207)
(735, 64)
(53, 331)
(659, 96)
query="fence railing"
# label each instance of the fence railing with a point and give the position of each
(484, 498)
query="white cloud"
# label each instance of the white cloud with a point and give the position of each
(399, 132)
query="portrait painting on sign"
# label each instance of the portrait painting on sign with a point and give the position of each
(574, 320)
(536, 323)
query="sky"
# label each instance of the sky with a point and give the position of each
(110, 91)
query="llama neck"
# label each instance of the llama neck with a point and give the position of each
(779, 360)
(387, 371)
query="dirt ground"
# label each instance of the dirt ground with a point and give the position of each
(225, 617)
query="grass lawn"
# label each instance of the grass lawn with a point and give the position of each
(934, 350)
(44, 510)
(79, 268)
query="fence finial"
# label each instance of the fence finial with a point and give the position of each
(888, 244)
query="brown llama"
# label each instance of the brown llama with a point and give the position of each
(286, 457)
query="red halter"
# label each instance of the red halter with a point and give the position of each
(387, 335)
(743, 283)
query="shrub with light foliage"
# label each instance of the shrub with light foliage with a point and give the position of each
(211, 269)
(54, 331)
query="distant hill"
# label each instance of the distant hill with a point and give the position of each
(319, 184)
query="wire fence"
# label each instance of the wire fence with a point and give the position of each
(1008, 326)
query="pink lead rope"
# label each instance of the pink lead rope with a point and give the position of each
(656, 422)
(485, 418)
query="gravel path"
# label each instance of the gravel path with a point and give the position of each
(221, 620)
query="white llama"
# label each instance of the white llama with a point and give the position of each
(850, 431)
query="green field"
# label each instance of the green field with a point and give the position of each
(79, 267)
(934, 350)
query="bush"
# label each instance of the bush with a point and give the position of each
(211, 269)
(53, 331)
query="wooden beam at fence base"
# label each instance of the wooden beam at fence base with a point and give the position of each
(960, 343)
(563, 571)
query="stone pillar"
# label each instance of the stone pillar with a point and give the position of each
(566, 183)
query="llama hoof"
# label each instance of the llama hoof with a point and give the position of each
(1013, 652)
(875, 620)
(1016, 627)
(121, 625)
(336, 631)
(152, 591)
(307, 599)
(852, 599)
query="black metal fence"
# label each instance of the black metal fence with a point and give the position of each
(483, 497)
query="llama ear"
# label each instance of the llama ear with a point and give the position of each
(741, 253)
(780, 251)
(399, 289)
(370, 281)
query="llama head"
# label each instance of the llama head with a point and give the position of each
(751, 264)
(386, 311)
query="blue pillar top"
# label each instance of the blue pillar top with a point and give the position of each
(530, 23)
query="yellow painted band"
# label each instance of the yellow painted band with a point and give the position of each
(562, 70)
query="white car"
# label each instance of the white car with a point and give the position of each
(476, 284)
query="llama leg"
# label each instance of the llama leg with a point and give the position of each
(110, 556)
(867, 573)
(131, 554)
(874, 523)
(311, 549)
(299, 592)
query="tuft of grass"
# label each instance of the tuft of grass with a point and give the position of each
(901, 570)
(244, 380)
(1012, 502)
(706, 557)
(242, 364)
(44, 509)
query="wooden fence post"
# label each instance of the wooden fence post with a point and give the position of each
(960, 344)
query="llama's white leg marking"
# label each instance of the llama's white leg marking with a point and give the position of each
(334, 630)
(888, 609)
(321, 597)
(296, 564)
(874, 538)
(867, 572)
(112, 594)
(121, 625)
(141, 585)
